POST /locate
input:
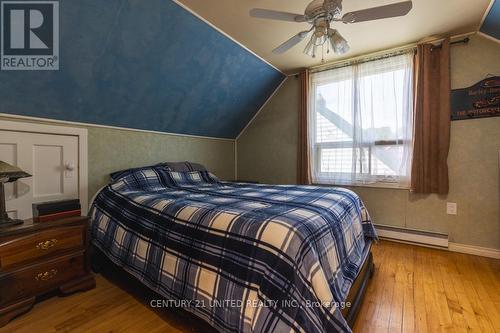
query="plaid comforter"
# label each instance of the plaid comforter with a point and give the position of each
(244, 257)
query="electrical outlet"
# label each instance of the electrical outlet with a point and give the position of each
(451, 208)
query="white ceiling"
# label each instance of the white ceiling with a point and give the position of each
(427, 18)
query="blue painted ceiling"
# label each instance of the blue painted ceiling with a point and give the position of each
(491, 24)
(146, 65)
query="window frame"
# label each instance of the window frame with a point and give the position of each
(381, 181)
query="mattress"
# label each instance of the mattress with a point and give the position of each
(243, 257)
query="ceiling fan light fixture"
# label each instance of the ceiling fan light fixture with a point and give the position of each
(339, 44)
(321, 34)
(311, 46)
(321, 40)
(319, 14)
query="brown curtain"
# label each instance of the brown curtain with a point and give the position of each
(429, 173)
(303, 154)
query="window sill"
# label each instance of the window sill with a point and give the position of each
(374, 185)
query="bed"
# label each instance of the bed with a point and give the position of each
(243, 257)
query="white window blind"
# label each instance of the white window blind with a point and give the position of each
(361, 121)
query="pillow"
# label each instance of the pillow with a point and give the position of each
(184, 166)
(179, 178)
(174, 166)
(145, 179)
(125, 172)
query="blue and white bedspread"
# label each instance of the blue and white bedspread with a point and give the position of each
(244, 257)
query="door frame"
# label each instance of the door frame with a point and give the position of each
(80, 133)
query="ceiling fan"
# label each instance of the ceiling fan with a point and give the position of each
(320, 13)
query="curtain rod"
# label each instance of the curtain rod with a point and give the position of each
(461, 41)
(386, 53)
(351, 62)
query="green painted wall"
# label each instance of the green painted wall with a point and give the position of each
(267, 149)
(112, 149)
(267, 153)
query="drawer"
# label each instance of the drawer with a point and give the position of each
(37, 279)
(41, 244)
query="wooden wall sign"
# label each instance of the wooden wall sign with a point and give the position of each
(478, 101)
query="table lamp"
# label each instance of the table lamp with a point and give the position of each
(8, 174)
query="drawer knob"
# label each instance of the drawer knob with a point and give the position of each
(47, 244)
(45, 276)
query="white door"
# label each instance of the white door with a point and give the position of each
(53, 162)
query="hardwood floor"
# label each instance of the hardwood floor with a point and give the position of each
(414, 289)
(417, 289)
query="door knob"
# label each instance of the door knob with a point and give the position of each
(69, 166)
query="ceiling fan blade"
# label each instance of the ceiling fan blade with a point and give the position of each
(291, 42)
(376, 13)
(277, 15)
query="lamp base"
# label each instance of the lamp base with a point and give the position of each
(8, 222)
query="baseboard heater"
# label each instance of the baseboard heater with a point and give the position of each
(419, 237)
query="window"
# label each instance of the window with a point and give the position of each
(361, 120)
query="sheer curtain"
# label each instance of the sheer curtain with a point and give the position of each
(360, 123)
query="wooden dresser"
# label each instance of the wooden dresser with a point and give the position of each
(37, 258)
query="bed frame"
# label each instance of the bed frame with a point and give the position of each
(358, 289)
(102, 265)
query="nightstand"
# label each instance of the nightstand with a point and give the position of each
(37, 258)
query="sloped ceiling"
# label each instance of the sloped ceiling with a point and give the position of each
(427, 18)
(143, 64)
(491, 23)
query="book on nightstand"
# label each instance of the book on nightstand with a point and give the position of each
(55, 210)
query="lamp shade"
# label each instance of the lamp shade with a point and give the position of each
(339, 44)
(10, 173)
(311, 46)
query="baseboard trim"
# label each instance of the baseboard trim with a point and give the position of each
(474, 250)
(416, 237)
(432, 240)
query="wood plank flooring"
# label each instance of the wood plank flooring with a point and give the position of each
(414, 289)
(417, 289)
